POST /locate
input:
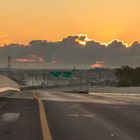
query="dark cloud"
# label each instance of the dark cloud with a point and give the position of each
(69, 52)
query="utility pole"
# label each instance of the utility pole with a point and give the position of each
(74, 78)
(9, 62)
(80, 80)
(9, 65)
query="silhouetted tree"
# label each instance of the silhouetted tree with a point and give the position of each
(128, 76)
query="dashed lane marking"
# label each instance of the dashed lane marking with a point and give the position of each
(10, 117)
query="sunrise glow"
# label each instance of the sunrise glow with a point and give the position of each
(107, 43)
(98, 64)
(23, 21)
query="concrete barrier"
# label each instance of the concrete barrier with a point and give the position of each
(8, 84)
(127, 90)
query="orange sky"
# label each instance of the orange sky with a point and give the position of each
(103, 20)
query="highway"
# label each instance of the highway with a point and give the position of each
(19, 119)
(69, 116)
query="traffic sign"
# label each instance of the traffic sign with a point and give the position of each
(56, 73)
(67, 74)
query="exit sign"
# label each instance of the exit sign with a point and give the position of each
(56, 73)
(67, 74)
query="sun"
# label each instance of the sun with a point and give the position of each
(82, 39)
(83, 43)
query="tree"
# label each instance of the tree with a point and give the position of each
(128, 76)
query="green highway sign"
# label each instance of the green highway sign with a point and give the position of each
(56, 73)
(67, 74)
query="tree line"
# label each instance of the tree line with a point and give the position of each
(128, 76)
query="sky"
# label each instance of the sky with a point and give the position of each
(102, 20)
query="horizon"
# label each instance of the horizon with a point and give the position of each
(83, 42)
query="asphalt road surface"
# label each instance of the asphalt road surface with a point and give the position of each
(70, 116)
(19, 120)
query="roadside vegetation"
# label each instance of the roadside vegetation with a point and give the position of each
(128, 76)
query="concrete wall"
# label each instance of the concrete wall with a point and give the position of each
(127, 90)
(7, 84)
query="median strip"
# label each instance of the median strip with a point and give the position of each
(44, 124)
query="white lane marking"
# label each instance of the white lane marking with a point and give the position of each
(84, 116)
(73, 115)
(9, 117)
(88, 116)
(112, 135)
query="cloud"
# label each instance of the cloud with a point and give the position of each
(69, 52)
(30, 58)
